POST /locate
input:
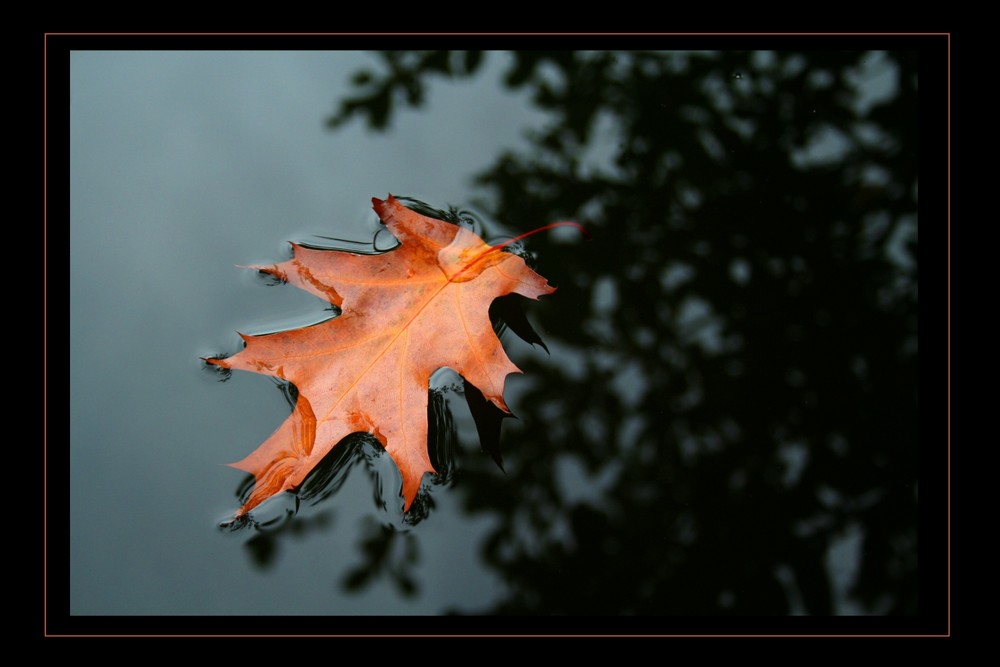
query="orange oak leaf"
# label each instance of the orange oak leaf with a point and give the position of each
(404, 314)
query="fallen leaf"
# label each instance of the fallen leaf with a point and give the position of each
(404, 314)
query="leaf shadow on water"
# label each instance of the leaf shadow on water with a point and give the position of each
(728, 422)
(388, 549)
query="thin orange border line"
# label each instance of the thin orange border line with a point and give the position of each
(946, 35)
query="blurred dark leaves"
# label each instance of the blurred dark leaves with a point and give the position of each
(405, 77)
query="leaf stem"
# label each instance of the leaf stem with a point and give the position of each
(499, 246)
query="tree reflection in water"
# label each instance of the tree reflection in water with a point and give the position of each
(728, 420)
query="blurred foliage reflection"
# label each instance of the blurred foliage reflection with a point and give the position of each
(728, 421)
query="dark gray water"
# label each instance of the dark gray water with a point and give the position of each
(184, 166)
